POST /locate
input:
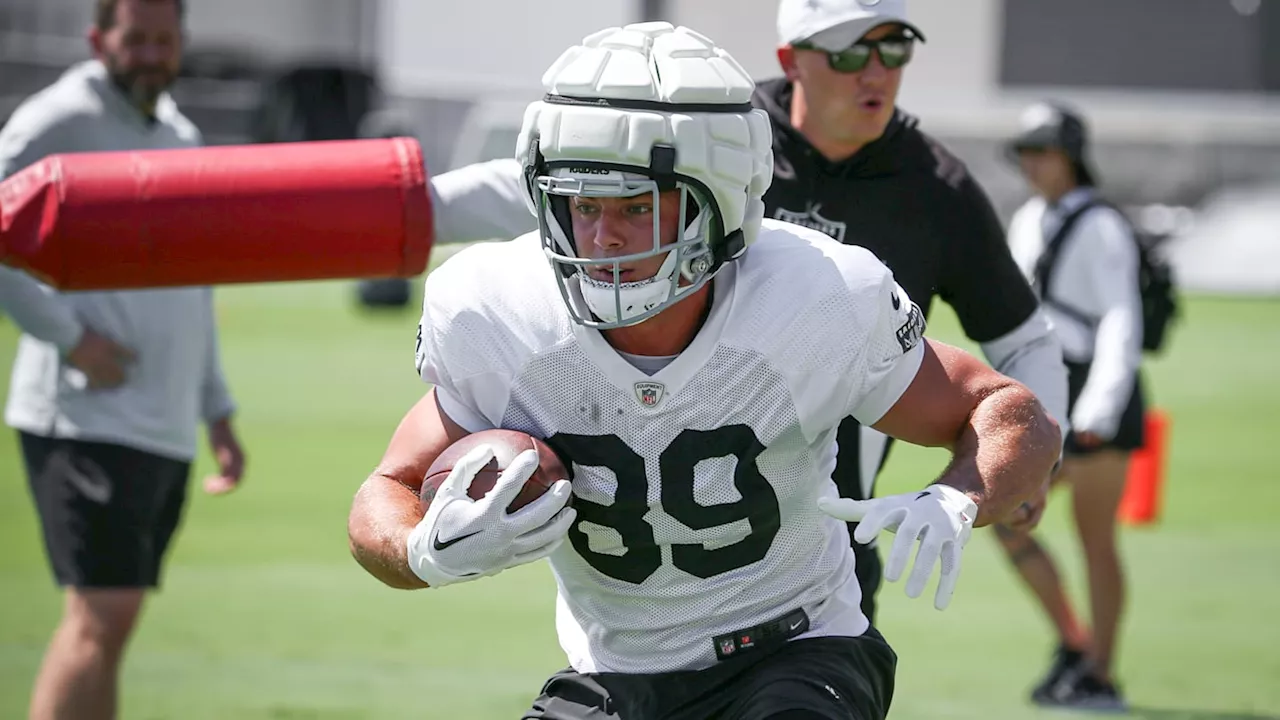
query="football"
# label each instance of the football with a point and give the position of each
(506, 444)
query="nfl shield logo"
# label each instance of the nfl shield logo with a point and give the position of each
(726, 646)
(649, 393)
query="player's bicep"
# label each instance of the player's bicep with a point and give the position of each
(424, 432)
(935, 408)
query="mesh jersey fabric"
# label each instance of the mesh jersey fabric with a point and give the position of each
(697, 486)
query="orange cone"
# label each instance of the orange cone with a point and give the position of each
(1140, 504)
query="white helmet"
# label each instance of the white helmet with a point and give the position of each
(642, 109)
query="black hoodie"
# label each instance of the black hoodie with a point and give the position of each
(913, 204)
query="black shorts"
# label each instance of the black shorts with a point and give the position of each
(1130, 433)
(107, 511)
(832, 677)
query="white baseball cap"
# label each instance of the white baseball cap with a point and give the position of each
(836, 24)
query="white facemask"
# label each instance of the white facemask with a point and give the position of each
(636, 298)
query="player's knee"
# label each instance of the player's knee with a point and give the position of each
(103, 618)
(1012, 540)
(1019, 545)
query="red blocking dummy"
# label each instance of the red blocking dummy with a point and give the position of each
(219, 215)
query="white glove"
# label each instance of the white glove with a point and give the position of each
(461, 539)
(940, 516)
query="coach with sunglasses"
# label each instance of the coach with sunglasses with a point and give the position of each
(849, 163)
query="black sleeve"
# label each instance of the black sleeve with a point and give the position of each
(980, 279)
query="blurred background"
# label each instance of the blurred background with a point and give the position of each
(1183, 96)
(264, 615)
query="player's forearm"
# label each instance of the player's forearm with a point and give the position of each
(382, 516)
(1005, 453)
(1032, 355)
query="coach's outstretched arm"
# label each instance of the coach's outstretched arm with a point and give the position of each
(482, 201)
(459, 539)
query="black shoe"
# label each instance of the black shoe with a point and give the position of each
(383, 293)
(1067, 666)
(1090, 693)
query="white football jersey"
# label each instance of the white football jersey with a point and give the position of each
(696, 487)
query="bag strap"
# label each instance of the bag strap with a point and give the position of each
(1049, 258)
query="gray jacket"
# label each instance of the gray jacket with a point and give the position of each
(177, 380)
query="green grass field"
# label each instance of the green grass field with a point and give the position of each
(264, 614)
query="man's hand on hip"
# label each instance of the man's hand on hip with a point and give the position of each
(103, 361)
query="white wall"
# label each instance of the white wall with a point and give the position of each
(283, 29)
(953, 81)
(501, 47)
(745, 28)
(486, 47)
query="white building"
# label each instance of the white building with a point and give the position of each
(1183, 95)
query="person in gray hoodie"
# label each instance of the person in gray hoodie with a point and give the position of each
(109, 388)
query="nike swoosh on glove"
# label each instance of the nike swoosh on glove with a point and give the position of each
(461, 539)
(940, 517)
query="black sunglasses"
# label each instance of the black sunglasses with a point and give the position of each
(895, 51)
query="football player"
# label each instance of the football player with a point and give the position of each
(691, 363)
(850, 163)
